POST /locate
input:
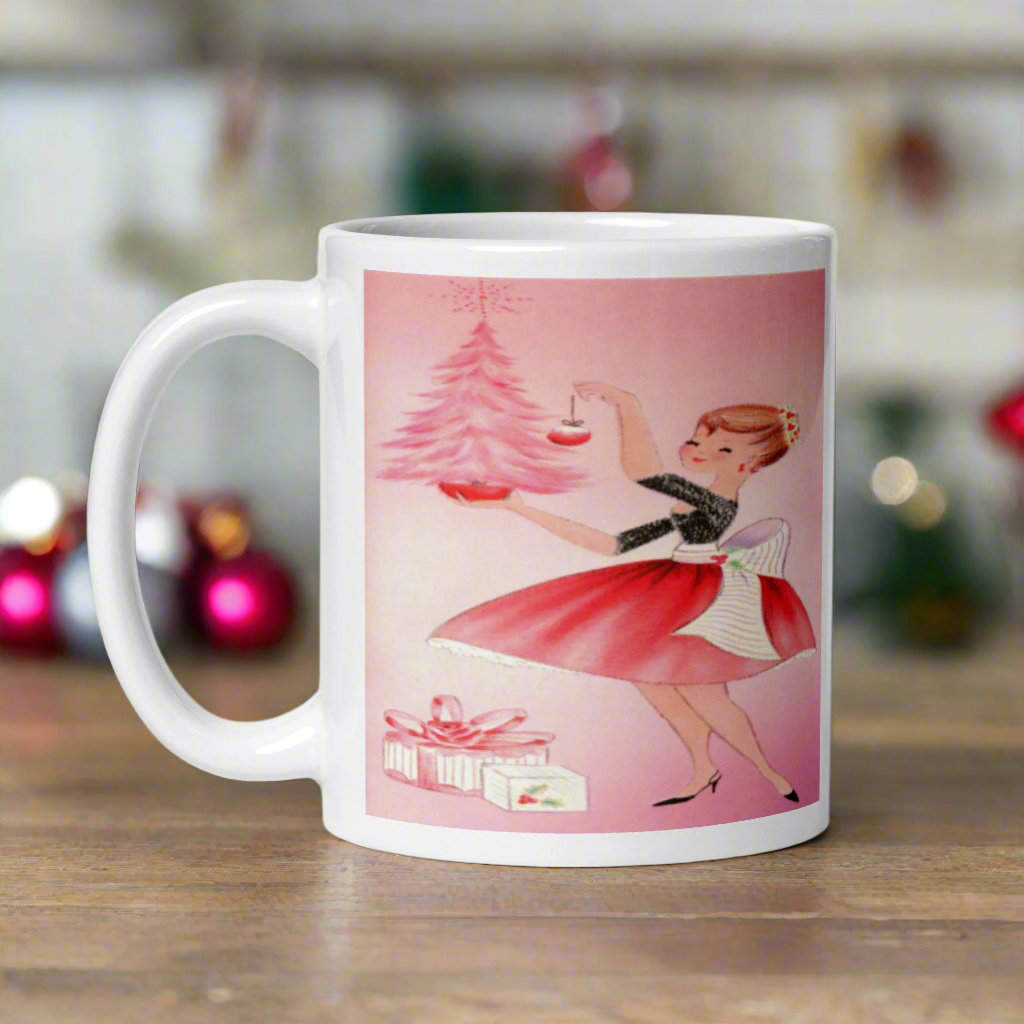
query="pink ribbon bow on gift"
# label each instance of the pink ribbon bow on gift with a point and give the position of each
(493, 730)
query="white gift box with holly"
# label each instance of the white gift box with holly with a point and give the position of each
(534, 787)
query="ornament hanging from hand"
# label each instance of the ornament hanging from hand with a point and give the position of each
(570, 432)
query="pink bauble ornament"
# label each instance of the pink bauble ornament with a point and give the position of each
(26, 605)
(245, 603)
(570, 432)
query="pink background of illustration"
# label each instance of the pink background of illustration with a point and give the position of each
(683, 346)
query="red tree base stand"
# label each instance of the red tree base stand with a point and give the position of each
(570, 432)
(476, 490)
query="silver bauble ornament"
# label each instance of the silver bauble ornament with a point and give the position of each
(75, 611)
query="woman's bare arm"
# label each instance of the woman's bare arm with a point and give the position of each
(638, 452)
(576, 533)
(568, 529)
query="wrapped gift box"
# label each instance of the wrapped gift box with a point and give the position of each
(447, 753)
(447, 770)
(534, 788)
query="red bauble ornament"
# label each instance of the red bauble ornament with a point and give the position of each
(476, 491)
(570, 432)
(1007, 420)
(921, 165)
(596, 176)
(245, 603)
(26, 605)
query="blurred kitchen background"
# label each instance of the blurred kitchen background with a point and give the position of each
(153, 147)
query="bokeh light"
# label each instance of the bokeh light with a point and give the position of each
(893, 480)
(225, 530)
(609, 184)
(22, 597)
(231, 600)
(30, 511)
(925, 508)
(161, 537)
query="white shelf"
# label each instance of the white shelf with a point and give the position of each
(85, 34)
(938, 28)
(441, 38)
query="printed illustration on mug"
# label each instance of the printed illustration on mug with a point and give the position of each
(714, 609)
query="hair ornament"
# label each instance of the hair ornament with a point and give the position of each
(790, 425)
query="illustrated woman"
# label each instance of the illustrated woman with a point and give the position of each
(680, 628)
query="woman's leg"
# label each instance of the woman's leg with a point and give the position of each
(711, 701)
(688, 726)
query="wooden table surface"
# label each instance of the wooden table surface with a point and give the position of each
(137, 889)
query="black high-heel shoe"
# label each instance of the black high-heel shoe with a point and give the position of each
(712, 783)
(791, 795)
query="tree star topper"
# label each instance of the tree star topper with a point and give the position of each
(486, 298)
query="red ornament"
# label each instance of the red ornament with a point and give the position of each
(26, 606)
(921, 165)
(476, 491)
(1006, 420)
(245, 603)
(596, 176)
(570, 432)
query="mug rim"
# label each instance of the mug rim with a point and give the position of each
(593, 229)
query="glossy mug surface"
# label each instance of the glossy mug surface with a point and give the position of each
(576, 535)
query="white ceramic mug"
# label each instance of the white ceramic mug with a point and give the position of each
(576, 506)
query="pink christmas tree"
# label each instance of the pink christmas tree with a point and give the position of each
(479, 426)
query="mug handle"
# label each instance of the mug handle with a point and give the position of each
(285, 747)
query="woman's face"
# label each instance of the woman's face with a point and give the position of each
(720, 452)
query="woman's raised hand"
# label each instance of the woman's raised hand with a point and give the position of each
(514, 502)
(609, 393)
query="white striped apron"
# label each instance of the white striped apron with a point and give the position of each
(735, 621)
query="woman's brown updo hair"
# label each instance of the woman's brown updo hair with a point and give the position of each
(772, 430)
